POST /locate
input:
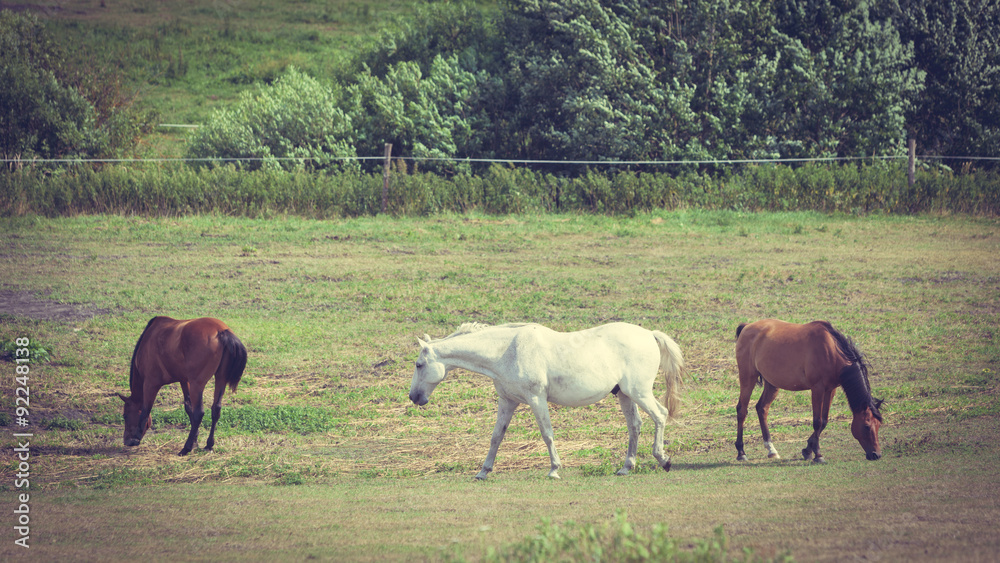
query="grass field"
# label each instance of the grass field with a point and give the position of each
(320, 454)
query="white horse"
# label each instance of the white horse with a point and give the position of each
(535, 365)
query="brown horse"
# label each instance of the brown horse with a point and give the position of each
(188, 352)
(796, 357)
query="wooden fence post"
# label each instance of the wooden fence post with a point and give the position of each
(385, 177)
(911, 169)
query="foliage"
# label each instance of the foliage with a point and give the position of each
(53, 109)
(615, 541)
(421, 115)
(295, 123)
(597, 80)
(179, 189)
(957, 45)
(36, 353)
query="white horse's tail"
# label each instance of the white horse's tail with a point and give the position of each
(672, 366)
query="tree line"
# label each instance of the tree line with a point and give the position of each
(590, 80)
(597, 80)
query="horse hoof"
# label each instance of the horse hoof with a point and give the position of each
(622, 471)
(554, 475)
(666, 466)
(819, 460)
(806, 454)
(185, 451)
(480, 477)
(741, 457)
(773, 456)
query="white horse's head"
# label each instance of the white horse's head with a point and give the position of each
(427, 374)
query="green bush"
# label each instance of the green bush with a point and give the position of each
(294, 123)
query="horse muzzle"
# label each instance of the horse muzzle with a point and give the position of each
(419, 399)
(131, 442)
(873, 456)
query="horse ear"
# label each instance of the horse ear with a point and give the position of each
(427, 337)
(123, 397)
(422, 343)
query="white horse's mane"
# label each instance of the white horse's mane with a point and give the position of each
(474, 326)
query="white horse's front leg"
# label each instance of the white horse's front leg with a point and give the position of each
(540, 407)
(505, 411)
(634, 423)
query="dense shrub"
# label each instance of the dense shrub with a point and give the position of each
(957, 46)
(176, 189)
(51, 109)
(294, 123)
(597, 80)
(602, 80)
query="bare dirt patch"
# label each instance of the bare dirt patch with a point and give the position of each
(26, 304)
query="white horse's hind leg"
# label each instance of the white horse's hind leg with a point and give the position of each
(634, 423)
(540, 407)
(505, 411)
(658, 413)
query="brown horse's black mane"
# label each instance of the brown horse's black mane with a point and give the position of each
(854, 378)
(132, 371)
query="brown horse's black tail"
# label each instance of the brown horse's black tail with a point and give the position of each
(234, 358)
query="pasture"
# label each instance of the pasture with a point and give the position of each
(321, 455)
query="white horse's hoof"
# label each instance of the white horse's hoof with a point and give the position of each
(554, 475)
(481, 476)
(773, 456)
(622, 471)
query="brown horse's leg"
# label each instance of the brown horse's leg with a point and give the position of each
(220, 388)
(763, 406)
(746, 389)
(187, 398)
(196, 412)
(821, 399)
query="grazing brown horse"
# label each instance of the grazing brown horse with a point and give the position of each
(796, 357)
(188, 352)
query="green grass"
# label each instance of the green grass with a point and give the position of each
(330, 312)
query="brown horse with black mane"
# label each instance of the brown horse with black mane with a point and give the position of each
(796, 357)
(188, 352)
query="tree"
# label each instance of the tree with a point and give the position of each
(957, 45)
(51, 109)
(603, 80)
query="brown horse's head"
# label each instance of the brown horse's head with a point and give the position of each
(865, 429)
(136, 422)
